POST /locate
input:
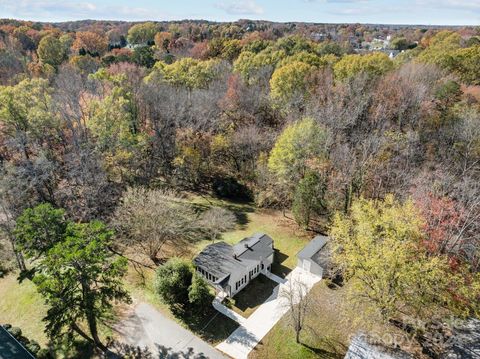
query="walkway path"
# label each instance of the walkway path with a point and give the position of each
(241, 342)
(147, 327)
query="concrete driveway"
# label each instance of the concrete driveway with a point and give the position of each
(241, 342)
(147, 327)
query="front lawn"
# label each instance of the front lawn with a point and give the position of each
(252, 296)
(330, 324)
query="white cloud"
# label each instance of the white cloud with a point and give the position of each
(54, 10)
(239, 7)
(473, 5)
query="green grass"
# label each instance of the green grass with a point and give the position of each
(288, 239)
(252, 296)
(22, 306)
(330, 323)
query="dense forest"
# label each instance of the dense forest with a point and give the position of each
(105, 125)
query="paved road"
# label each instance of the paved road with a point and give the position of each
(146, 327)
(239, 344)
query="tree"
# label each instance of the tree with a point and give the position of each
(172, 283)
(142, 34)
(466, 64)
(378, 249)
(40, 228)
(199, 295)
(295, 297)
(309, 198)
(290, 81)
(143, 56)
(80, 278)
(51, 51)
(91, 43)
(150, 219)
(217, 220)
(187, 72)
(301, 145)
(372, 64)
(163, 40)
(440, 47)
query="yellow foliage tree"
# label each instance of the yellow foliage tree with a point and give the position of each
(377, 246)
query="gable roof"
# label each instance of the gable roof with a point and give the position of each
(256, 247)
(313, 247)
(218, 259)
(221, 259)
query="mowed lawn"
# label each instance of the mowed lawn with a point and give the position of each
(22, 306)
(330, 324)
(288, 238)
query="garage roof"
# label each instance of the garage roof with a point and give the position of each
(313, 247)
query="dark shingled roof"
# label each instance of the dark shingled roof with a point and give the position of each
(256, 247)
(218, 259)
(313, 247)
(221, 259)
(10, 348)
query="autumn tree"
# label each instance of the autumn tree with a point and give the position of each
(142, 34)
(51, 51)
(295, 297)
(290, 81)
(373, 64)
(378, 248)
(88, 42)
(218, 220)
(150, 220)
(301, 145)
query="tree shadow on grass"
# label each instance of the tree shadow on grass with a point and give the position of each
(210, 325)
(277, 266)
(322, 353)
(254, 294)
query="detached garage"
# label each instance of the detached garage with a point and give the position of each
(313, 258)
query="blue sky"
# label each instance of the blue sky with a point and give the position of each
(435, 12)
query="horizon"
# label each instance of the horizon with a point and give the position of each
(378, 12)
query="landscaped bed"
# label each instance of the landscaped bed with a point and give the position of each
(252, 296)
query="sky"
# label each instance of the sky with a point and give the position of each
(425, 12)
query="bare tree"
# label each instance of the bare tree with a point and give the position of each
(295, 297)
(217, 220)
(148, 220)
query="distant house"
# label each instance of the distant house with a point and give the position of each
(230, 268)
(314, 257)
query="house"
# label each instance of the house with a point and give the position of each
(314, 257)
(230, 268)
